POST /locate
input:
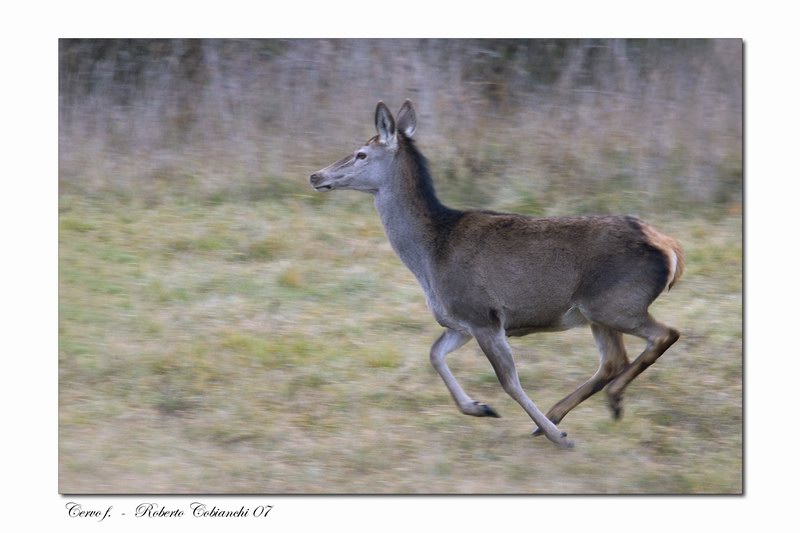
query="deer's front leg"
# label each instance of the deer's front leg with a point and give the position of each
(449, 341)
(494, 344)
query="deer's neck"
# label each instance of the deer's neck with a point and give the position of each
(416, 222)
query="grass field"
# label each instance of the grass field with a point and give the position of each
(280, 346)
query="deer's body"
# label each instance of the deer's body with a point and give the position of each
(491, 275)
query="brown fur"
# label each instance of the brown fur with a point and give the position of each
(491, 275)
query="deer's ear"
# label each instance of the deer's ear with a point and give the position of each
(407, 119)
(384, 123)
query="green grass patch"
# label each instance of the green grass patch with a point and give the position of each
(70, 224)
(273, 351)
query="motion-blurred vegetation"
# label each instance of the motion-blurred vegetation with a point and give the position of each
(600, 125)
(223, 328)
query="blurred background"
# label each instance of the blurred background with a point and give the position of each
(224, 328)
(500, 120)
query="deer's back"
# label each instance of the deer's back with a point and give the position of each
(534, 271)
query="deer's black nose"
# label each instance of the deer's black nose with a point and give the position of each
(315, 179)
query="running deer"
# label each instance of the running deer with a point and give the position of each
(494, 275)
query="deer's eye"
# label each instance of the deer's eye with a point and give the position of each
(361, 155)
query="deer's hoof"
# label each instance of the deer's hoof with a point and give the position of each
(564, 443)
(481, 409)
(561, 442)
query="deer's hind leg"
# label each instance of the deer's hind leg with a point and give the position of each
(659, 338)
(613, 360)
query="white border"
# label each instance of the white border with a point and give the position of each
(29, 239)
